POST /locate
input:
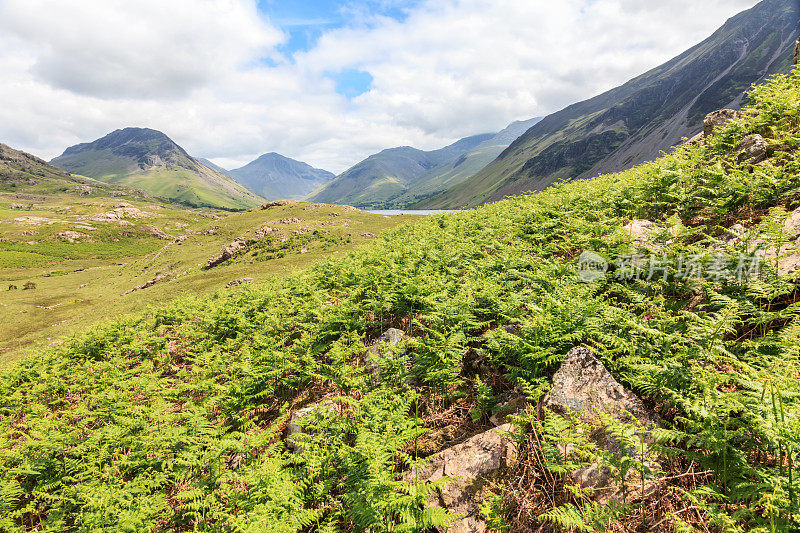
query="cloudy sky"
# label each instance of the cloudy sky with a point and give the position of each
(324, 81)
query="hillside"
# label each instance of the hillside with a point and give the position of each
(193, 415)
(86, 254)
(276, 177)
(382, 178)
(467, 165)
(26, 179)
(637, 121)
(149, 160)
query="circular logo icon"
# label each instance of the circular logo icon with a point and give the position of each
(591, 267)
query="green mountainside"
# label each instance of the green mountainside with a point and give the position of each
(85, 253)
(637, 121)
(149, 160)
(381, 178)
(402, 177)
(176, 419)
(466, 165)
(276, 177)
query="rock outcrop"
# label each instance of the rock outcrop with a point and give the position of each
(717, 119)
(149, 283)
(158, 232)
(584, 387)
(787, 258)
(237, 282)
(72, 236)
(227, 252)
(469, 466)
(275, 203)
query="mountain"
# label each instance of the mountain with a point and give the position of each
(212, 165)
(148, 159)
(25, 177)
(634, 123)
(383, 179)
(276, 177)
(466, 165)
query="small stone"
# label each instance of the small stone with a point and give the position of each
(299, 422)
(380, 349)
(752, 150)
(643, 232)
(512, 404)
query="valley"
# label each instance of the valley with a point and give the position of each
(83, 245)
(585, 322)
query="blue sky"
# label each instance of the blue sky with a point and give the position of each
(305, 21)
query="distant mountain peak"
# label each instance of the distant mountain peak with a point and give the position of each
(277, 177)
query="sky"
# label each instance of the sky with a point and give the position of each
(327, 82)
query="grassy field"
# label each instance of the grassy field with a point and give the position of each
(83, 282)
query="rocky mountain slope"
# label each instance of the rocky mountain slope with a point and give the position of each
(635, 122)
(148, 159)
(276, 177)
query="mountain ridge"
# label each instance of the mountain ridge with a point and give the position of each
(647, 115)
(150, 160)
(402, 176)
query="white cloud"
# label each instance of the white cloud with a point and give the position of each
(74, 70)
(147, 48)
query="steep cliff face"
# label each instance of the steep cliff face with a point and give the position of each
(638, 120)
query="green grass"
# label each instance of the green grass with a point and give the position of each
(185, 187)
(82, 283)
(173, 419)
